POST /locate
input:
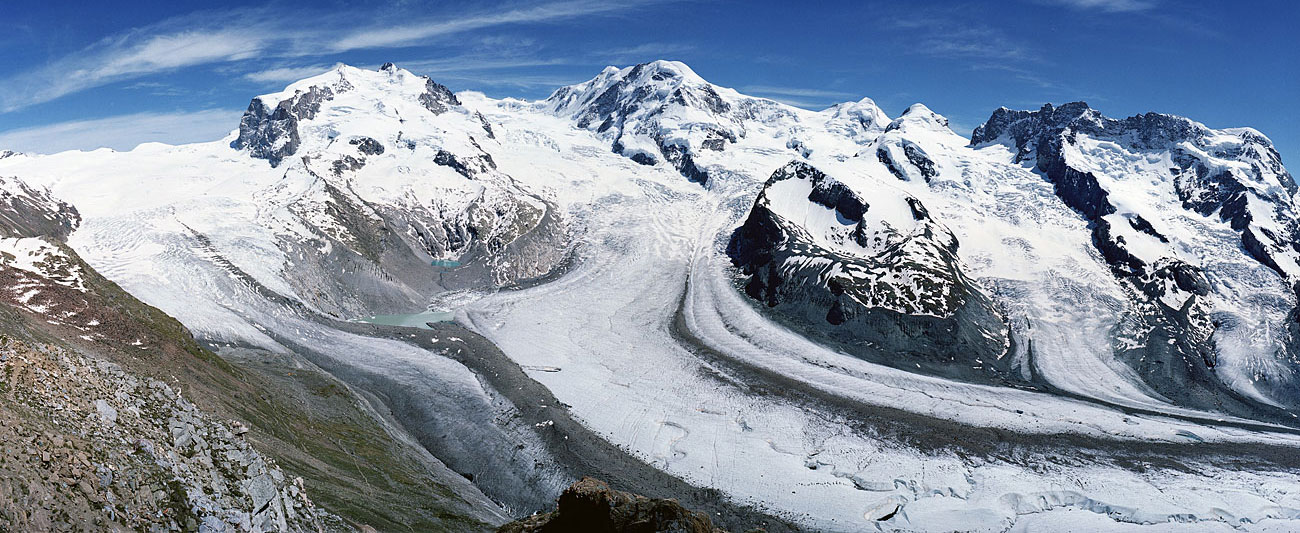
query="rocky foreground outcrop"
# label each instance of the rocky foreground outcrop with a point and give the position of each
(90, 447)
(591, 505)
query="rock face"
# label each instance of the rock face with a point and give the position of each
(270, 130)
(882, 278)
(27, 211)
(591, 506)
(89, 446)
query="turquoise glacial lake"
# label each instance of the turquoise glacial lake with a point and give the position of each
(413, 320)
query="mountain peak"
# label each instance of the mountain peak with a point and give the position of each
(655, 80)
(269, 128)
(920, 116)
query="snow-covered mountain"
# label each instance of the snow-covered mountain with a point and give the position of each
(835, 319)
(663, 111)
(1194, 226)
(1199, 224)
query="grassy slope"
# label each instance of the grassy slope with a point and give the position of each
(305, 419)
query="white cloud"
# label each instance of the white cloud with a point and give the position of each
(476, 63)
(286, 74)
(389, 36)
(642, 53)
(123, 132)
(125, 57)
(1109, 6)
(211, 38)
(796, 92)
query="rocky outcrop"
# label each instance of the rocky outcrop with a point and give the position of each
(468, 166)
(437, 98)
(592, 506)
(89, 446)
(912, 154)
(890, 290)
(28, 211)
(367, 146)
(270, 131)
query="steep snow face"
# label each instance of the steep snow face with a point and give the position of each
(662, 112)
(1199, 224)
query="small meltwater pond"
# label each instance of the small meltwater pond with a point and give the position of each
(443, 263)
(413, 320)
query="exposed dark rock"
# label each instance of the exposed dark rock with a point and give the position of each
(466, 166)
(918, 210)
(920, 160)
(717, 140)
(642, 158)
(347, 163)
(835, 195)
(1143, 225)
(486, 126)
(915, 156)
(883, 156)
(272, 133)
(26, 211)
(367, 146)
(437, 98)
(591, 506)
(680, 158)
(939, 321)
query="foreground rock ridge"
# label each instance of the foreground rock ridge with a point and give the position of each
(590, 505)
(381, 305)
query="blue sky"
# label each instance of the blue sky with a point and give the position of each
(115, 74)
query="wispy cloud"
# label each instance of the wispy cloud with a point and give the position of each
(157, 89)
(972, 43)
(123, 132)
(122, 58)
(478, 62)
(1019, 74)
(521, 81)
(800, 96)
(641, 53)
(1108, 6)
(411, 34)
(286, 74)
(953, 33)
(795, 91)
(223, 38)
